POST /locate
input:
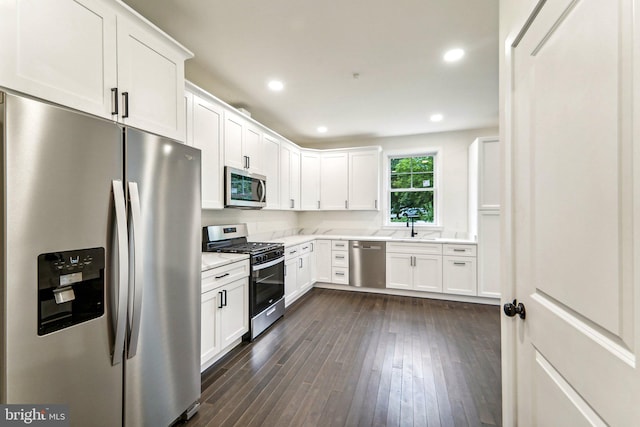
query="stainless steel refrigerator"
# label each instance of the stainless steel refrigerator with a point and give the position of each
(100, 262)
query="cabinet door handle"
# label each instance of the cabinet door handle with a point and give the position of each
(292, 204)
(225, 297)
(222, 275)
(318, 204)
(375, 204)
(114, 101)
(311, 247)
(300, 262)
(125, 99)
(248, 162)
(346, 204)
(220, 299)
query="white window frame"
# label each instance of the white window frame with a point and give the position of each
(437, 188)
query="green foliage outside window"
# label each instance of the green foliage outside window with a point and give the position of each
(412, 189)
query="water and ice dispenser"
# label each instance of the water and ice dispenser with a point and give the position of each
(70, 288)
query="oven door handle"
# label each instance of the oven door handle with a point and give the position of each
(267, 264)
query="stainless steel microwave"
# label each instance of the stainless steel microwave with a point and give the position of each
(243, 189)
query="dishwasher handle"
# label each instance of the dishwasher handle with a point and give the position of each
(367, 247)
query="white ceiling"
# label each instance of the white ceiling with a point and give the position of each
(315, 47)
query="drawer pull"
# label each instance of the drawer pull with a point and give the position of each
(340, 245)
(459, 250)
(305, 247)
(459, 263)
(221, 276)
(339, 273)
(339, 256)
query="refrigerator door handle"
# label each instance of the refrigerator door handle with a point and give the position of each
(122, 291)
(136, 273)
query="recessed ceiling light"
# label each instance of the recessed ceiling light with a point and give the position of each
(453, 55)
(276, 85)
(322, 129)
(436, 117)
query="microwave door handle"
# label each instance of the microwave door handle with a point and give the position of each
(264, 191)
(121, 294)
(137, 278)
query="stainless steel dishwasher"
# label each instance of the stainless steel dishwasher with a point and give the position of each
(367, 264)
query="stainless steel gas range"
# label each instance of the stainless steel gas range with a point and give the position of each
(266, 285)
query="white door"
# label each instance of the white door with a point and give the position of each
(575, 216)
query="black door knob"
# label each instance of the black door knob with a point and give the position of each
(515, 307)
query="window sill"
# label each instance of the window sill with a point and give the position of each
(417, 227)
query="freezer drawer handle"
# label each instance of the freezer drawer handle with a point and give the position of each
(121, 287)
(136, 275)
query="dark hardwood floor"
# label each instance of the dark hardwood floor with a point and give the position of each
(342, 358)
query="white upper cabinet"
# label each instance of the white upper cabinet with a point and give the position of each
(364, 179)
(334, 175)
(289, 176)
(349, 179)
(45, 54)
(484, 173)
(252, 148)
(271, 169)
(310, 180)
(95, 56)
(150, 80)
(205, 130)
(242, 143)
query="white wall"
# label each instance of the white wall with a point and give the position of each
(453, 161)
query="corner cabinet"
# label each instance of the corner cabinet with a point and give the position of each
(310, 180)
(96, 56)
(289, 176)
(224, 310)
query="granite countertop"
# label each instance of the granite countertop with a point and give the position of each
(212, 260)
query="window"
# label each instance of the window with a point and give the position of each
(412, 189)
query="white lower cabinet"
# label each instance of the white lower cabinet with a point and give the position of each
(459, 275)
(340, 262)
(304, 268)
(323, 260)
(298, 270)
(414, 272)
(224, 310)
(431, 267)
(291, 289)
